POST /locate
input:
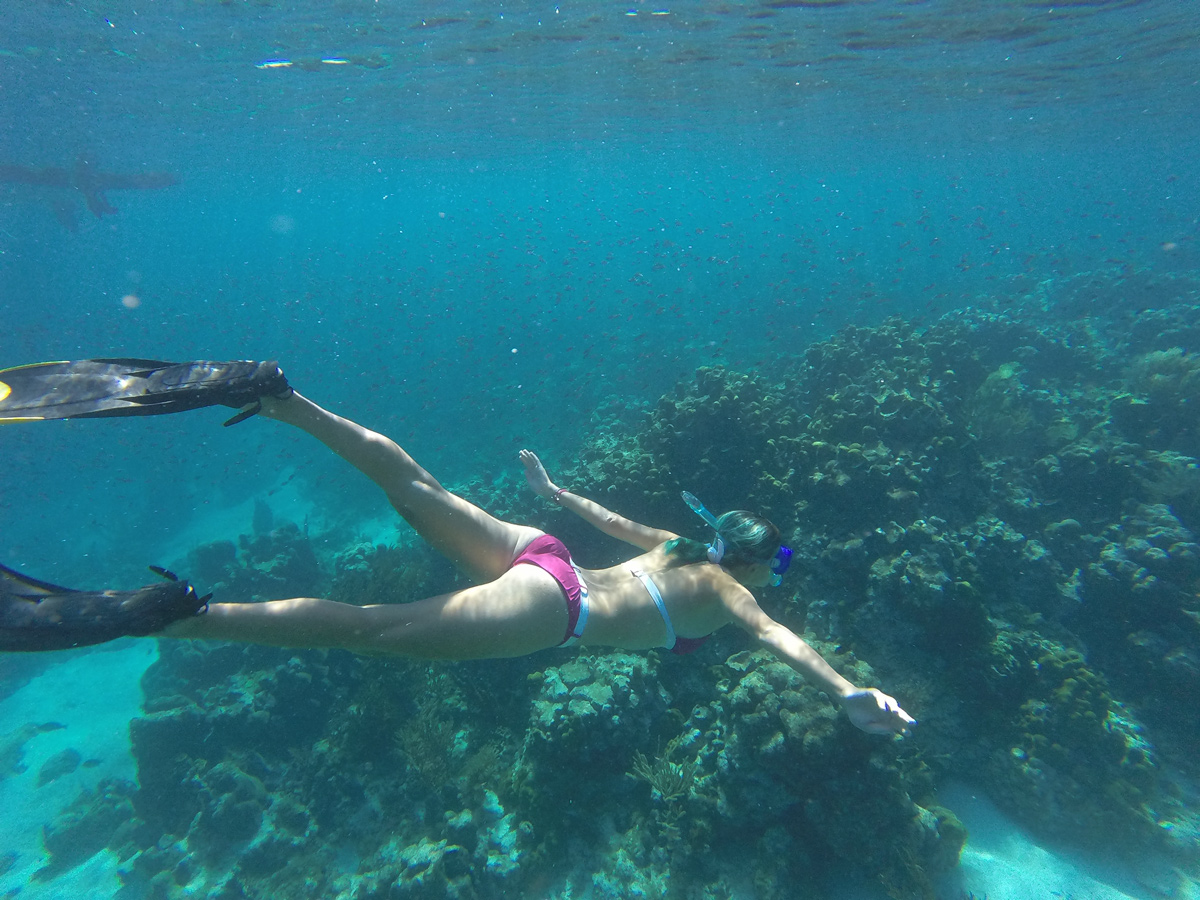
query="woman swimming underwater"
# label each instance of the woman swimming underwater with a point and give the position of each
(530, 595)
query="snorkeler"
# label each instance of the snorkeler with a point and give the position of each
(530, 594)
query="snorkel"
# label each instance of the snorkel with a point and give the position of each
(716, 550)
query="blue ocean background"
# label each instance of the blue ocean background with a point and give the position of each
(477, 228)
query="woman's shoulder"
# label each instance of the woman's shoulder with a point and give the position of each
(660, 557)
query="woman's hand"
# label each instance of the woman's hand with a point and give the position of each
(876, 713)
(535, 474)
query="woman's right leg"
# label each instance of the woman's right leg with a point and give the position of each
(521, 612)
(461, 531)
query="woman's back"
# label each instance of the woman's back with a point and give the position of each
(625, 615)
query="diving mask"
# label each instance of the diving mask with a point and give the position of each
(716, 550)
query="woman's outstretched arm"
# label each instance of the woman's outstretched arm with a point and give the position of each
(869, 709)
(619, 527)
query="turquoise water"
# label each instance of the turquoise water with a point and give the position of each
(481, 228)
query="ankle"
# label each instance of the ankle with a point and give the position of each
(284, 409)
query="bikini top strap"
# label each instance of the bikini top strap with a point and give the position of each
(652, 590)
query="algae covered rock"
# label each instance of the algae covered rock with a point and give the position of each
(265, 565)
(96, 819)
(583, 716)
(794, 761)
(1140, 608)
(1076, 762)
(377, 573)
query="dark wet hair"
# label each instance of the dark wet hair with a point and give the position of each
(748, 538)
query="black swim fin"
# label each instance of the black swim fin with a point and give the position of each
(93, 388)
(37, 615)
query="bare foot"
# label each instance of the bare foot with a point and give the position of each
(535, 474)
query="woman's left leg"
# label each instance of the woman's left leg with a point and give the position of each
(520, 612)
(458, 529)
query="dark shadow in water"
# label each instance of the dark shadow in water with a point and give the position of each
(83, 178)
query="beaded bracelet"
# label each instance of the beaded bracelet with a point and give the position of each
(557, 498)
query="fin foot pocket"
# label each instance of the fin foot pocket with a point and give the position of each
(37, 615)
(97, 388)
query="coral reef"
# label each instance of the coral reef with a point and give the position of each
(1075, 761)
(999, 510)
(792, 751)
(367, 574)
(981, 478)
(670, 781)
(266, 565)
(95, 820)
(1140, 608)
